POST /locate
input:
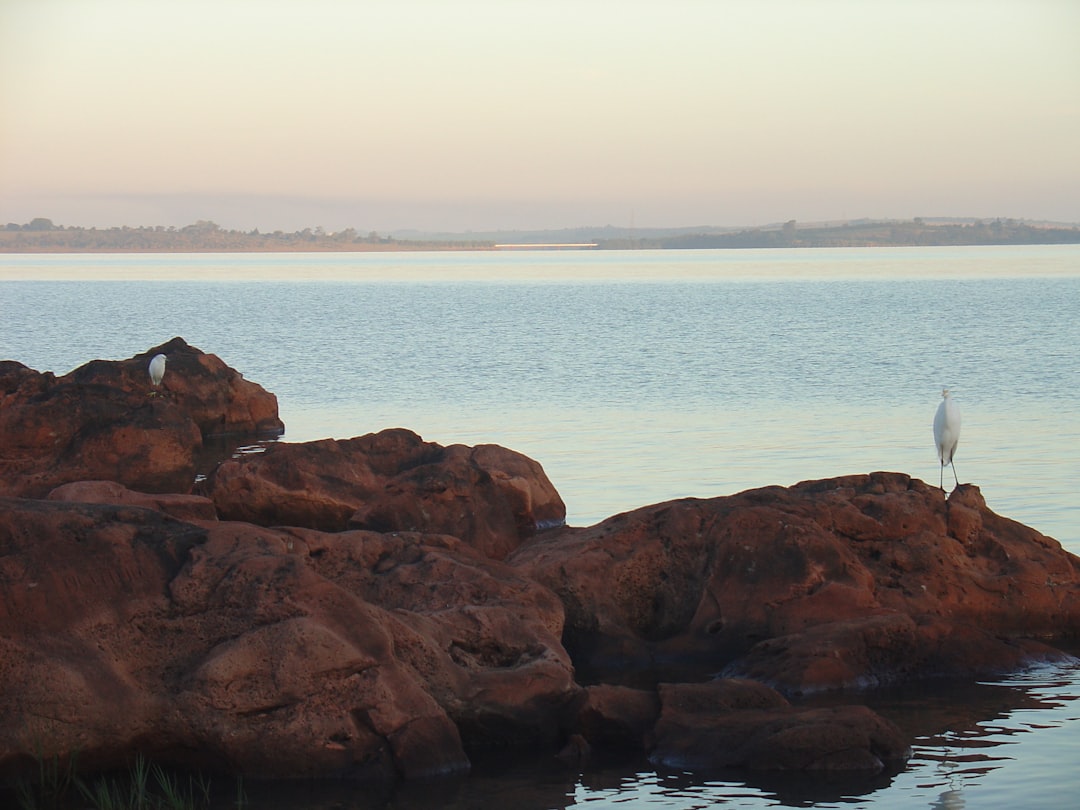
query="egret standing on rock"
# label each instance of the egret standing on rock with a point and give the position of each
(157, 370)
(947, 434)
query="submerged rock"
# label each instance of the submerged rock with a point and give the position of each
(742, 724)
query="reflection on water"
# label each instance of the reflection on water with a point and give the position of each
(949, 800)
(1012, 743)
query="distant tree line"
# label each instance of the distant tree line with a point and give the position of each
(41, 234)
(866, 234)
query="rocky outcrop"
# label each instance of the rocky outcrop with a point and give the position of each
(282, 653)
(216, 397)
(295, 652)
(488, 496)
(105, 421)
(849, 582)
(380, 607)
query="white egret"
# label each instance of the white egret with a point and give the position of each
(157, 369)
(947, 434)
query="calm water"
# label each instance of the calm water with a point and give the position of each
(636, 377)
(1007, 744)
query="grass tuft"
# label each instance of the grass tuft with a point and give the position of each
(144, 786)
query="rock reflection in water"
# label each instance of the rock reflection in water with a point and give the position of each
(961, 730)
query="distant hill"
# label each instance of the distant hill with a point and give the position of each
(869, 233)
(41, 235)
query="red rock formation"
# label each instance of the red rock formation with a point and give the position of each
(846, 582)
(184, 507)
(736, 723)
(488, 496)
(100, 422)
(614, 716)
(294, 652)
(375, 634)
(216, 397)
(742, 724)
(279, 653)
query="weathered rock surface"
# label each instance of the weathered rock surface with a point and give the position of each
(282, 653)
(184, 507)
(732, 723)
(488, 496)
(101, 421)
(848, 582)
(379, 606)
(615, 716)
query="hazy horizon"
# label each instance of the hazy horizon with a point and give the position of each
(485, 115)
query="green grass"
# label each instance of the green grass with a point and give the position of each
(55, 779)
(145, 786)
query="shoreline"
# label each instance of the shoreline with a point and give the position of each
(41, 236)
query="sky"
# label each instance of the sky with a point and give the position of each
(528, 114)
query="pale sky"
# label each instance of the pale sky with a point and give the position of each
(499, 114)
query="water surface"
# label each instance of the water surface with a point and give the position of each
(633, 377)
(637, 377)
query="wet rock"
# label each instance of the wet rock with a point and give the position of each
(882, 649)
(619, 717)
(846, 582)
(491, 497)
(741, 724)
(105, 421)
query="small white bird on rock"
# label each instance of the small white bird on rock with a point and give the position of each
(947, 434)
(157, 370)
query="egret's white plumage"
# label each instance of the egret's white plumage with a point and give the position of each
(157, 369)
(947, 434)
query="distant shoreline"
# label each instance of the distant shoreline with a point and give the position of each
(397, 248)
(41, 236)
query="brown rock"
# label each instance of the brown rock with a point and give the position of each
(484, 640)
(844, 582)
(19, 383)
(376, 634)
(881, 649)
(265, 652)
(182, 507)
(101, 421)
(215, 396)
(490, 497)
(719, 696)
(742, 725)
(615, 716)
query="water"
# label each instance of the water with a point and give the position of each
(1006, 744)
(636, 377)
(633, 377)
